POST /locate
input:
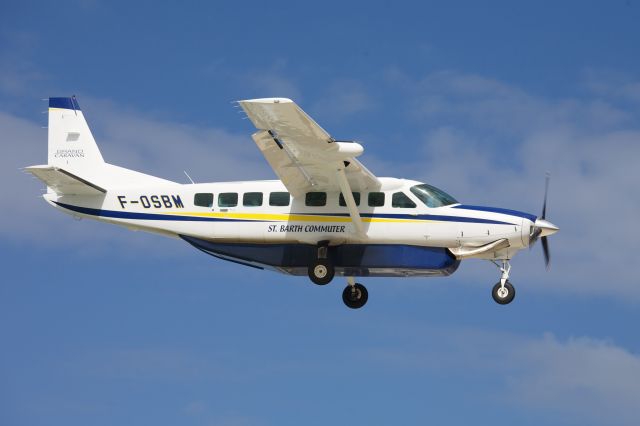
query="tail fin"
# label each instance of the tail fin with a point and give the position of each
(71, 144)
(75, 165)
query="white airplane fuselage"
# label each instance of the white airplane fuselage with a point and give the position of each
(171, 210)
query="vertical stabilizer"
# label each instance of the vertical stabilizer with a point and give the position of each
(71, 144)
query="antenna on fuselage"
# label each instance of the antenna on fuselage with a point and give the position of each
(189, 177)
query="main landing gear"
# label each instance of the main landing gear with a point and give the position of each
(355, 295)
(321, 271)
(503, 292)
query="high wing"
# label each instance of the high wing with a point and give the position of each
(303, 155)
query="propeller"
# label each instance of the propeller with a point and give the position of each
(542, 227)
(545, 243)
(545, 250)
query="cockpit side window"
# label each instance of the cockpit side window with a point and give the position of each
(376, 199)
(432, 196)
(400, 199)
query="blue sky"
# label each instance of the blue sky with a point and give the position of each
(103, 326)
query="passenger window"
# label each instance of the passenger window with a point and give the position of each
(203, 200)
(356, 198)
(279, 199)
(401, 200)
(252, 199)
(315, 199)
(376, 199)
(228, 199)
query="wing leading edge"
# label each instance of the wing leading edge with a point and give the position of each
(303, 155)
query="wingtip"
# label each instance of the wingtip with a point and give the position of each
(266, 101)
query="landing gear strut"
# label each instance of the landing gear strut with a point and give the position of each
(321, 270)
(355, 295)
(503, 292)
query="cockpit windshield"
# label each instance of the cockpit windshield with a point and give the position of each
(432, 196)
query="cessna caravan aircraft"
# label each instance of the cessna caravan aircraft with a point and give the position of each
(327, 214)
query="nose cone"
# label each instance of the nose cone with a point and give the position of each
(546, 228)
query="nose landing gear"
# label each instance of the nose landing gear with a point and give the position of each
(503, 292)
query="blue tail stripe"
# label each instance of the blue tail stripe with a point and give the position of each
(64, 103)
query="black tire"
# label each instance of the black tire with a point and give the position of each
(356, 297)
(503, 299)
(321, 272)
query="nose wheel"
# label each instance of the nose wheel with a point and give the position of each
(503, 292)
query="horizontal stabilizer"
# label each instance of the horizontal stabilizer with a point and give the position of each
(63, 182)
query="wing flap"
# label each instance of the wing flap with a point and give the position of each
(289, 171)
(63, 182)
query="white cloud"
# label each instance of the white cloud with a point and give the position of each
(153, 145)
(612, 84)
(272, 82)
(595, 380)
(343, 99)
(580, 379)
(501, 109)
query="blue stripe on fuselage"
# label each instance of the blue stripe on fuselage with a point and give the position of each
(435, 217)
(141, 216)
(517, 213)
(156, 216)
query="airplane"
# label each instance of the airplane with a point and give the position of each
(327, 215)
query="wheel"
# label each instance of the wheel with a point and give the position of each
(355, 297)
(321, 272)
(505, 295)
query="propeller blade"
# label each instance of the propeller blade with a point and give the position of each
(546, 189)
(545, 250)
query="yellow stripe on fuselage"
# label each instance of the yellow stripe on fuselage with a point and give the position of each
(283, 217)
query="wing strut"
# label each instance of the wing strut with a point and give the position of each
(348, 198)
